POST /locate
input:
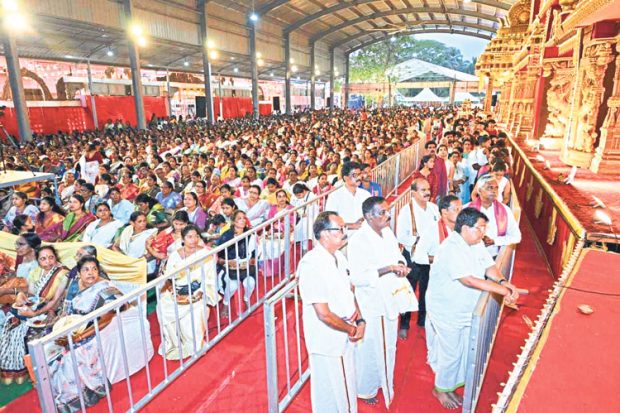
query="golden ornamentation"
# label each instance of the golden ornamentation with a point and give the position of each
(567, 249)
(552, 228)
(530, 188)
(538, 203)
(559, 95)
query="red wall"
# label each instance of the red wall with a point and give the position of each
(122, 107)
(50, 119)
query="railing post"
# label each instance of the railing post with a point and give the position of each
(397, 175)
(44, 385)
(271, 357)
(287, 243)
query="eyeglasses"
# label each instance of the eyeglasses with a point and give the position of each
(482, 228)
(354, 175)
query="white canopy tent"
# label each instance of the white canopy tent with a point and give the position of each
(11, 178)
(426, 95)
(463, 96)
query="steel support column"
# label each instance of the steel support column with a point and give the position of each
(168, 96)
(346, 82)
(93, 103)
(17, 88)
(332, 77)
(313, 76)
(134, 65)
(206, 63)
(254, 68)
(287, 74)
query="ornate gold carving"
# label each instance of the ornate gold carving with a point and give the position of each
(559, 95)
(538, 203)
(552, 228)
(530, 188)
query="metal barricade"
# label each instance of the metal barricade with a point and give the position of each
(190, 323)
(283, 330)
(398, 168)
(484, 325)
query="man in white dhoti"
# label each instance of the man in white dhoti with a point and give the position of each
(377, 272)
(457, 278)
(347, 200)
(331, 317)
(502, 228)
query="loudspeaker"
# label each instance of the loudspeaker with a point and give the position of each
(276, 103)
(201, 106)
(493, 100)
(329, 102)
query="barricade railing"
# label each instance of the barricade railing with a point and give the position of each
(192, 319)
(398, 168)
(283, 336)
(485, 323)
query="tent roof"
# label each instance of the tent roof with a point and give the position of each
(11, 178)
(426, 95)
(416, 68)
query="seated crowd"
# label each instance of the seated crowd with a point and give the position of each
(171, 193)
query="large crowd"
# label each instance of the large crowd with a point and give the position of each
(172, 192)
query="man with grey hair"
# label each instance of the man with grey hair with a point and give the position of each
(331, 317)
(502, 228)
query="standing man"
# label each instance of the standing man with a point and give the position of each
(377, 272)
(331, 317)
(449, 207)
(457, 279)
(347, 200)
(415, 219)
(502, 228)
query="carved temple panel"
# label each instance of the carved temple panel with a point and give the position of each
(560, 75)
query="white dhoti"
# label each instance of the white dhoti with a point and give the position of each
(375, 356)
(447, 353)
(332, 382)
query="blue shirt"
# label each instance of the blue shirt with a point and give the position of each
(122, 211)
(374, 189)
(169, 202)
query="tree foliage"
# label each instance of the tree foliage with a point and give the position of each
(372, 63)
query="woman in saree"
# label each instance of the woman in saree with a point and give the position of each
(188, 288)
(168, 240)
(15, 278)
(85, 294)
(32, 313)
(103, 230)
(197, 215)
(236, 264)
(273, 244)
(256, 209)
(322, 187)
(206, 199)
(155, 213)
(50, 214)
(132, 240)
(20, 206)
(225, 192)
(74, 224)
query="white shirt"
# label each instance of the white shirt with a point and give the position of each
(323, 278)
(447, 298)
(346, 204)
(428, 244)
(475, 157)
(513, 233)
(367, 253)
(424, 218)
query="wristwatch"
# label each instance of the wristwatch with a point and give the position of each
(500, 282)
(360, 321)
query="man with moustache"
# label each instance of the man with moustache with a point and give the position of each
(377, 272)
(461, 270)
(347, 200)
(449, 208)
(331, 317)
(413, 220)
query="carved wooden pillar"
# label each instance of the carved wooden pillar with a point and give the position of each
(488, 99)
(527, 102)
(607, 157)
(561, 75)
(578, 149)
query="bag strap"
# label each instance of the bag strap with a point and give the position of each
(414, 228)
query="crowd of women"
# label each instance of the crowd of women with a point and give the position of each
(171, 193)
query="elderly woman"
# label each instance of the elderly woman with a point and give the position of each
(132, 240)
(50, 214)
(85, 294)
(104, 228)
(20, 207)
(46, 286)
(74, 224)
(188, 288)
(236, 263)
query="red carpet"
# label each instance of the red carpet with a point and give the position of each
(579, 365)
